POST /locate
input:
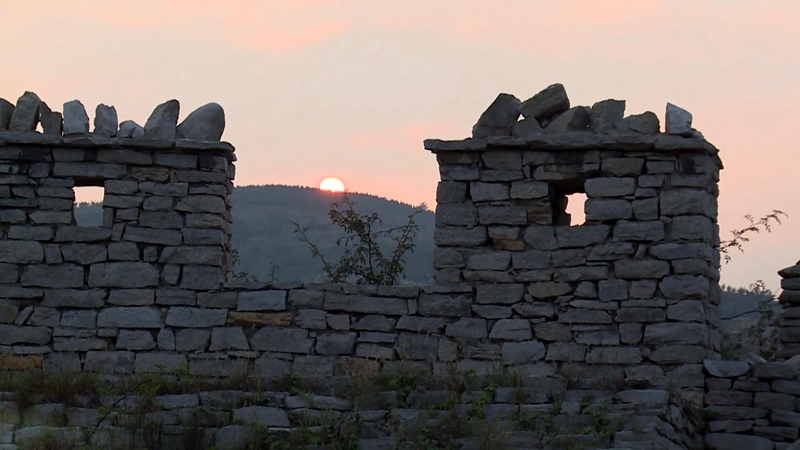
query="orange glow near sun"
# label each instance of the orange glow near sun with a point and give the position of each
(331, 185)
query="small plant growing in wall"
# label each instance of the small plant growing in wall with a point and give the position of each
(763, 335)
(363, 257)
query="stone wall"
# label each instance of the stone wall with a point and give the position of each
(789, 322)
(637, 283)
(624, 307)
(752, 407)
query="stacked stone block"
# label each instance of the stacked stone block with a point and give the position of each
(752, 406)
(789, 325)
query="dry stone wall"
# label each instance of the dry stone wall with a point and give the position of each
(752, 406)
(624, 307)
(789, 322)
(636, 285)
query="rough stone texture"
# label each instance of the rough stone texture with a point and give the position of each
(105, 121)
(606, 114)
(162, 123)
(26, 113)
(678, 121)
(498, 119)
(76, 121)
(545, 104)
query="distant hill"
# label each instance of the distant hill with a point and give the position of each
(263, 231)
(262, 235)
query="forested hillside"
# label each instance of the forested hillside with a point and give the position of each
(263, 231)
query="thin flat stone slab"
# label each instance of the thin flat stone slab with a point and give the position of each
(577, 140)
(27, 138)
(726, 369)
(439, 145)
(666, 142)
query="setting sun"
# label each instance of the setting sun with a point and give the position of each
(331, 185)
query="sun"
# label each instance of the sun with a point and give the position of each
(331, 185)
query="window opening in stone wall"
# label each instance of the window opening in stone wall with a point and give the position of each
(575, 208)
(87, 208)
(568, 199)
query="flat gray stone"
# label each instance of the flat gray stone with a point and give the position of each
(365, 305)
(335, 343)
(278, 339)
(21, 252)
(105, 121)
(135, 340)
(26, 113)
(726, 369)
(206, 123)
(606, 114)
(547, 103)
(13, 334)
(498, 118)
(192, 340)
(123, 275)
(228, 338)
(130, 129)
(76, 121)
(186, 317)
(53, 276)
(162, 123)
(130, 317)
(678, 121)
(467, 328)
(511, 330)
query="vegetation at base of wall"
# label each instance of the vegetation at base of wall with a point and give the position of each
(365, 260)
(451, 407)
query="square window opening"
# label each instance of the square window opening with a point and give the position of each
(568, 200)
(87, 208)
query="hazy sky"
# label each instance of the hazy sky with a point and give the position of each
(350, 88)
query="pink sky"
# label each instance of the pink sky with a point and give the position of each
(350, 88)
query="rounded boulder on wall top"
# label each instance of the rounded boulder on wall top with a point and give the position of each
(206, 123)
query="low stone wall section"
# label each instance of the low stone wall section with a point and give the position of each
(752, 406)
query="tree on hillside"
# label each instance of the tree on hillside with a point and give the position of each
(363, 257)
(762, 336)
